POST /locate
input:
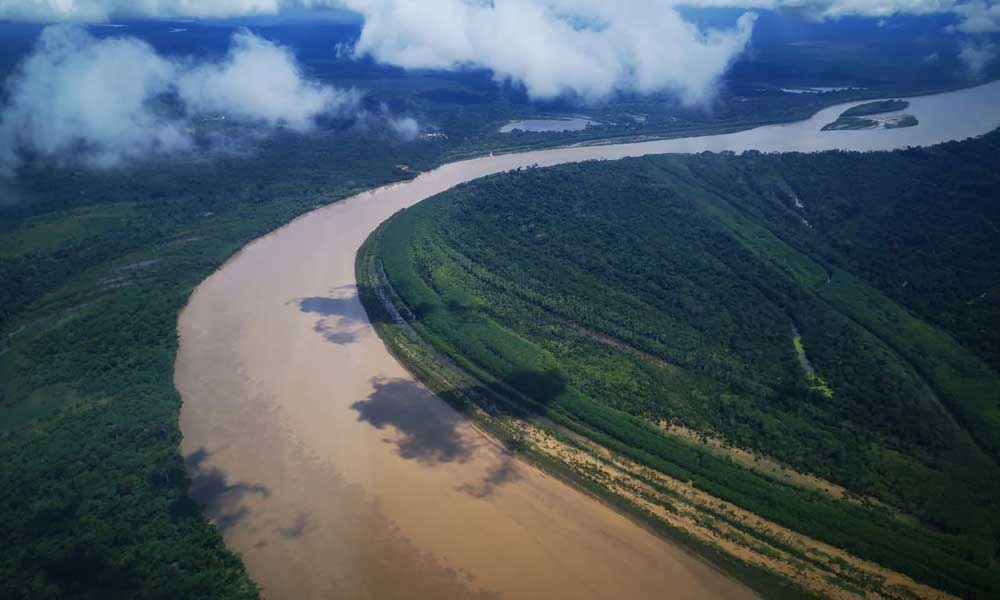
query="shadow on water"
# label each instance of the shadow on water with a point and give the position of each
(505, 472)
(346, 307)
(343, 318)
(222, 499)
(395, 567)
(336, 333)
(428, 434)
(295, 529)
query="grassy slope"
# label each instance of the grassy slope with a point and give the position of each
(664, 256)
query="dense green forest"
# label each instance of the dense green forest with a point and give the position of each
(856, 117)
(844, 326)
(96, 264)
(95, 267)
(875, 108)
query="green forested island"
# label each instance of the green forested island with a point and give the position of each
(876, 108)
(684, 312)
(855, 123)
(858, 117)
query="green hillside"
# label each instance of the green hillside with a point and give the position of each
(835, 324)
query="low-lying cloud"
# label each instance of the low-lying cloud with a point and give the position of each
(979, 17)
(95, 11)
(976, 56)
(593, 49)
(75, 91)
(975, 16)
(586, 48)
(104, 102)
(259, 81)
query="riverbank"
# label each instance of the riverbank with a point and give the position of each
(333, 473)
(774, 560)
(277, 343)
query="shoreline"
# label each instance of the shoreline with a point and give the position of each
(271, 377)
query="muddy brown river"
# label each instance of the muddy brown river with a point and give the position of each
(335, 475)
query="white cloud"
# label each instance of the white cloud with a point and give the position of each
(93, 11)
(405, 128)
(77, 95)
(977, 55)
(260, 81)
(594, 48)
(979, 17)
(588, 48)
(975, 16)
(103, 102)
(585, 48)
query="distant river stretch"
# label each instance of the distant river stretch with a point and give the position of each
(335, 475)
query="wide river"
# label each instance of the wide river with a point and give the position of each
(335, 475)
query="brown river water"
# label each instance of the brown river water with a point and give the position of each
(334, 474)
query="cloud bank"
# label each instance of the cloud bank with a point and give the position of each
(104, 102)
(586, 48)
(979, 17)
(593, 49)
(259, 81)
(96, 11)
(76, 93)
(109, 101)
(976, 16)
